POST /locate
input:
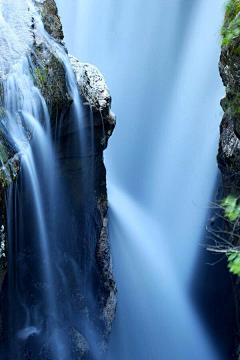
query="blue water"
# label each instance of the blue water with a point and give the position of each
(50, 293)
(160, 61)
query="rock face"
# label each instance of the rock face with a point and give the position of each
(89, 203)
(94, 90)
(229, 145)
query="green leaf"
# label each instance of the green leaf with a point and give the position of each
(232, 256)
(232, 208)
(236, 31)
(234, 263)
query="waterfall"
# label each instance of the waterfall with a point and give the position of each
(160, 60)
(29, 222)
(50, 289)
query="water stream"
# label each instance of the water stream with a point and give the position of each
(46, 289)
(160, 61)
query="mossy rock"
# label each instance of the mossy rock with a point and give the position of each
(49, 77)
(231, 26)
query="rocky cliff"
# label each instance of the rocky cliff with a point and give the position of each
(88, 200)
(229, 145)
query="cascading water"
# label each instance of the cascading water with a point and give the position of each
(50, 298)
(160, 61)
(29, 222)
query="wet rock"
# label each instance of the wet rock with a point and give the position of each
(229, 144)
(88, 202)
(96, 94)
(47, 71)
(80, 347)
(50, 18)
(49, 77)
(104, 259)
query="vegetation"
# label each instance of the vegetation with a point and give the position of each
(41, 76)
(227, 238)
(2, 112)
(231, 26)
(232, 100)
(231, 207)
(3, 153)
(234, 263)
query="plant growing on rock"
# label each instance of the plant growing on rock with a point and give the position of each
(231, 27)
(226, 238)
(234, 263)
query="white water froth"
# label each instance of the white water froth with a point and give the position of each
(25, 333)
(15, 21)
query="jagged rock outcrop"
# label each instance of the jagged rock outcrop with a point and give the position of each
(50, 18)
(96, 94)
(89, 203)
(93, 88)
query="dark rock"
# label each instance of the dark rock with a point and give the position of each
(50, 18)
(88, 201)
(80, 347)
(229, 144)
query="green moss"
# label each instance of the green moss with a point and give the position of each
(3, 153)
(9, 167)
(41, 76)
(234, 104)
(232, 101)
(2, 112)
(231, 26)
(50, 78)
(1, 91)
(3, 179)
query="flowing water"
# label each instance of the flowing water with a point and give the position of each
(160, 61)
(45, 291)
